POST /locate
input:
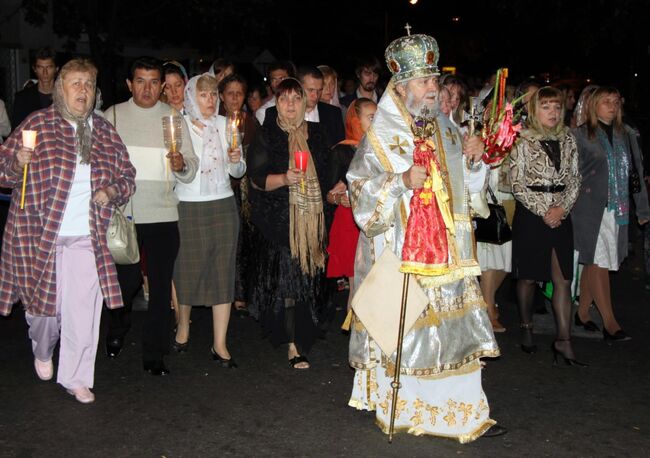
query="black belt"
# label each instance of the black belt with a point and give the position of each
(547, 188)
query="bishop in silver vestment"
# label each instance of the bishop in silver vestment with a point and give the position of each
(441, 392)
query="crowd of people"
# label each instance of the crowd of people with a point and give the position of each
(278, 193)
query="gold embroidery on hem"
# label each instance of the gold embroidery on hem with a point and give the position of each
(450, 418)
(466, 410)
(433, 413)
(444, 371)
(359, 405)
(482, 407)
(360, 366)
(461, 438)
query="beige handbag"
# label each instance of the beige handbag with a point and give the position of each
(122, 238)
(377, 302)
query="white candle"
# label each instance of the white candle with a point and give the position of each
(172, 134)
(29, 139)
(233, 130)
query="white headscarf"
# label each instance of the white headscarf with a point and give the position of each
(335, 95)
(213, 158)
(580, 110)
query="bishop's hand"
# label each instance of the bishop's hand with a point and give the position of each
(473, 148)
(414, 177)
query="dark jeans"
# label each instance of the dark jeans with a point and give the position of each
(160, 241)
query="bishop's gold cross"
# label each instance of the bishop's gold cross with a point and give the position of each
(450, 136)
(398, 145)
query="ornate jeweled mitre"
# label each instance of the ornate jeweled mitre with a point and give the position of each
(413, 56)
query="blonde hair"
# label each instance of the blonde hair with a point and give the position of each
(327, 71)
(207, 82)
(78, 65)
(541, 96)
(592, 108)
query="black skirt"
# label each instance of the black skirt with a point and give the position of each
(532, 245)
(279, 285)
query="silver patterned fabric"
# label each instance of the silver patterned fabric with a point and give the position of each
(454, 329)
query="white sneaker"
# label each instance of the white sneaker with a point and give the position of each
(83, 395)
(44, 369)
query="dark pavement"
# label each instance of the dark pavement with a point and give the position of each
(264, 408)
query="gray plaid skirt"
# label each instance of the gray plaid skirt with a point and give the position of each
(204, 273)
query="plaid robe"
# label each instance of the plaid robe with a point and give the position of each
(28, 264)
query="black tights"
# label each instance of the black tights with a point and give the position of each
(561, 301)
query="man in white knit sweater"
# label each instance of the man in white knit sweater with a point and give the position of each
(153, 207)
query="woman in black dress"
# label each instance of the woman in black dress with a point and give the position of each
(545, 183)
(288, 212)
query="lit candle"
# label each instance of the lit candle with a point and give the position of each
(301, 159)
(233, 129)
(172, 134)
(29, 141)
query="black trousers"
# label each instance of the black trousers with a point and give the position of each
(160, 241)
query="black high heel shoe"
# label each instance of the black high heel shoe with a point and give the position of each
(180, 347)
(567, 361)
(223, 362)
(527, 328)
(588, 325)
(618, 336)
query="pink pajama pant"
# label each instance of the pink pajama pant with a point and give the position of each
(78, 312)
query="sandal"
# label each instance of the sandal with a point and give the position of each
(297, 360)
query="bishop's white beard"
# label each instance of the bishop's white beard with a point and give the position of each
(417, 108)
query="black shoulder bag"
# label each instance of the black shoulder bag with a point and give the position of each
(493, 229)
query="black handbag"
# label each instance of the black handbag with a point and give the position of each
(493, 229)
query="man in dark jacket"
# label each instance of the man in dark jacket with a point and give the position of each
(39, 95)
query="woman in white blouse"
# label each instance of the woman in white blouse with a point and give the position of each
(204, 273)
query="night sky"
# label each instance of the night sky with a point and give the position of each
(607, 42)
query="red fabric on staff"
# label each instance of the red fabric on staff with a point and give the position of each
(425, 249)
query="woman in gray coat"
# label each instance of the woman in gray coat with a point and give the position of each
(607, 151)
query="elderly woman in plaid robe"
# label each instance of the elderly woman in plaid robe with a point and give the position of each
(55, 257)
